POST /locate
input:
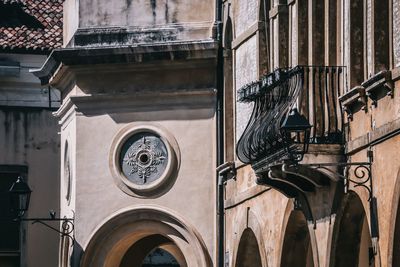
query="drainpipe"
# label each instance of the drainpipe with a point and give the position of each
(225, 172)
(220, 131)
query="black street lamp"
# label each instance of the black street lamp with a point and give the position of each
(20, 194)
(295, 133)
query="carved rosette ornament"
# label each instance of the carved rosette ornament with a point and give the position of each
(143, 158)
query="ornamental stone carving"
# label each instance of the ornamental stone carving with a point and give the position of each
(144, 160)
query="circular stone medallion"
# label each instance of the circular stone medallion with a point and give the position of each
(143, 158)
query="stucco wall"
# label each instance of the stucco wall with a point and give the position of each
(30, 137)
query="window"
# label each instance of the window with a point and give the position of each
(9, 229)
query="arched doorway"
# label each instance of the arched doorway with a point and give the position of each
(152, 251)
(352, 245)
(145, 237)
(297, 250)
(248, 252)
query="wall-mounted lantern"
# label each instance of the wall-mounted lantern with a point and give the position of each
(295, 133)
(20, 194)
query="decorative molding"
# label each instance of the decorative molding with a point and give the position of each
(164, 180)
(378, 86)
(354, 100)
(376, 136)
(275, 11)
(250, 193)
(144, 100)
(247, 34)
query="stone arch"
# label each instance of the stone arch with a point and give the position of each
(228, 33)
(248, 253)
(119, 233)
(351, 241)
(394, 231)
(297, 246)
(249, 227)
(137, 253)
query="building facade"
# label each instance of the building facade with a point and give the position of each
(138, 88)
(337, 63)
(29, 140)
(219, 133)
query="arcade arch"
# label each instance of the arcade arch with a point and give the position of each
(297, 249)
(248, 251)
(129, 236)
(352, 244)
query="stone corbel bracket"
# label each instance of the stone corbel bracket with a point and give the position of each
(353, 101)
(379, 86)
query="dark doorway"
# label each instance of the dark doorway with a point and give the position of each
(9, 229)
(352, 245)
(153, 251)
(296, 250)
(248, 254)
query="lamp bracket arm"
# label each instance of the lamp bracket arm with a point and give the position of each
(362, 173)
(67, 225)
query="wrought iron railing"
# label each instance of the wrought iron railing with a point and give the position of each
(314, 90)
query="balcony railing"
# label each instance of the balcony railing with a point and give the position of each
(313, 90)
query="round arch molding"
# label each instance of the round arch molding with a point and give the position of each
(111, 241)
(248, 223)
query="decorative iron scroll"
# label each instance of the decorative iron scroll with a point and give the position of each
(67, 225)
(314, 90)
(362, 176)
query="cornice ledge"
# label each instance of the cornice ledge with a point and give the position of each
(111, 103)
(115, 54)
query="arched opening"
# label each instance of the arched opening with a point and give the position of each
(152, 251)
(248, 251)
(396, 241)
(352, 245)
(145, 236)
(297, 250)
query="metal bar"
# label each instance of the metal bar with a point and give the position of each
(321, 102)
(336, 164)
(335, 97)
(46, 219)
(313, 106)
(327, 98)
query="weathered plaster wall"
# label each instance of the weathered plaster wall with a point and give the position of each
(143, 12)
(98, 22)
(246, 71)
(245, 14)
(109, 98)
(396, 32)
(29, 137)
(24, 89)
(70, 19)
(97, 196)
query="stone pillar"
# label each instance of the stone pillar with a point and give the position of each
(279, 19)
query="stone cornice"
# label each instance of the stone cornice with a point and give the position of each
(140, 101)
(131, 54)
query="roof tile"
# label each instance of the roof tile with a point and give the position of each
(49, 13)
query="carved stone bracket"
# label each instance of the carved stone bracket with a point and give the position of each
(378, 86)
(292, 180)
(354, 100)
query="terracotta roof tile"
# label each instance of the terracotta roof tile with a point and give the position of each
(48, 12)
